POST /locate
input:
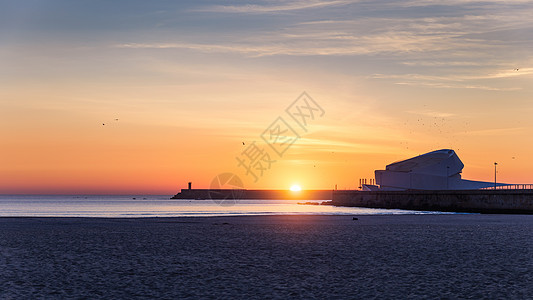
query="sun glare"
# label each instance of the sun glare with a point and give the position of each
(296, 188)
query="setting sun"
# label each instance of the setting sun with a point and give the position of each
(296, 188)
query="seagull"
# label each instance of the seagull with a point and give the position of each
(103, 124)
(243, 143)
(516, 69)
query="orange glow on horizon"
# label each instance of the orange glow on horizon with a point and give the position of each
(59, 154)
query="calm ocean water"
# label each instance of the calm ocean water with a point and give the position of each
(161, 206)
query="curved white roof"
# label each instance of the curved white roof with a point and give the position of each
(436, 170)
(439, 162)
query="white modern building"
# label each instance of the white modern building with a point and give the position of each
(437, 170)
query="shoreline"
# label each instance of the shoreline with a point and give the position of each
(449, 219)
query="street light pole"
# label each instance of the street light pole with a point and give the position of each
(495, 164)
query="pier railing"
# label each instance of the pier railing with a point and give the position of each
(528, 186)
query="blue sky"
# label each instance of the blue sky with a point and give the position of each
(460, 44)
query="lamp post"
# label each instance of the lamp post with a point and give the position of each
(495, 164)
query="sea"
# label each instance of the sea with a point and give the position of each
(145, 206)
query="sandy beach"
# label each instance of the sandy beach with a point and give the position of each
(400, 256)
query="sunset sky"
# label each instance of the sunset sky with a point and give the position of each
(184, 87)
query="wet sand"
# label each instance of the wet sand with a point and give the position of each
(409, 256)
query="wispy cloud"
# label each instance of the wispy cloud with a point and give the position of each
(454, 2)
(467, 46)
(208, 48)
(453, 36)
(431, 113)
(459, 86)
(270, 8)
(394, 45)
(494, 131)
(511, 73)
(285, 6)
(427, 63)
(464, 81)
(324, 44)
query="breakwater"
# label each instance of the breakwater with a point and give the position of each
(476, 201)
(253, 194)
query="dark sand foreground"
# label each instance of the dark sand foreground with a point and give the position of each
(417, 256)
